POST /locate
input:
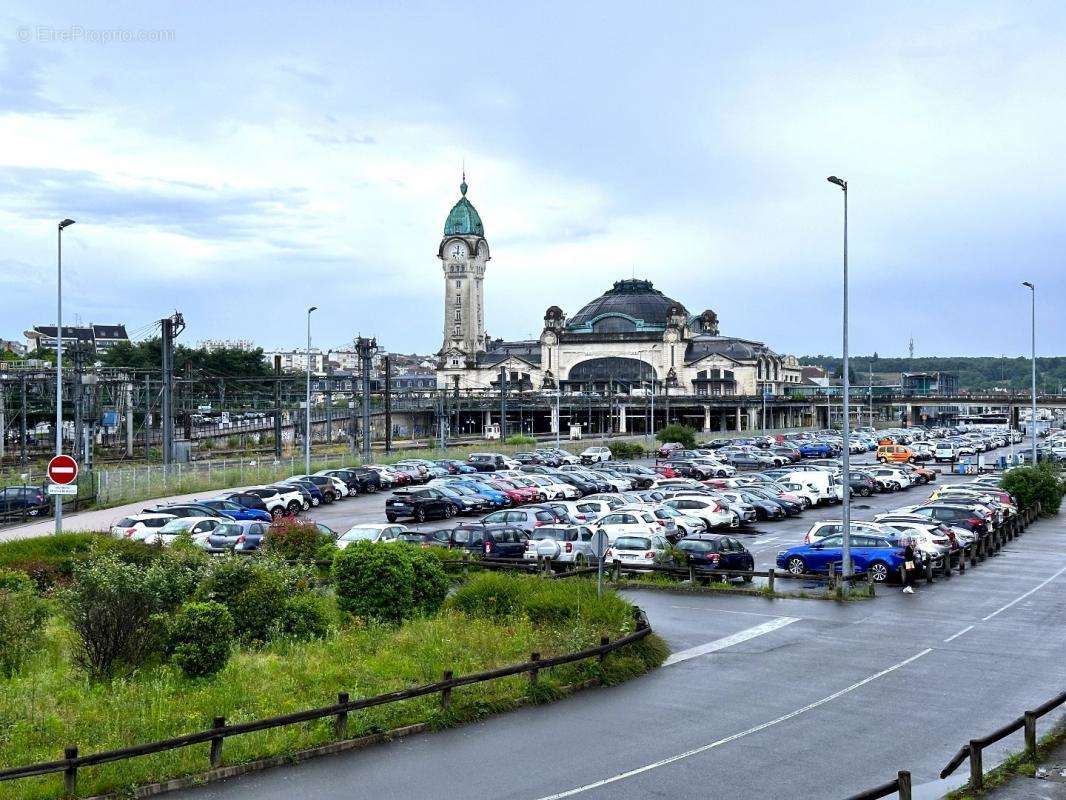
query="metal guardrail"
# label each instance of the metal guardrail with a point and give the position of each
(901, 786)
(220, 731)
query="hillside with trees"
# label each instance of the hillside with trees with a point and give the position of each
(975, 373)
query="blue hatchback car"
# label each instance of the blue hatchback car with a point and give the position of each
(874, 554)
(235, 511)
(497, 498)
(815, 450)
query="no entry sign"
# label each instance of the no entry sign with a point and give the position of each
(62, 470)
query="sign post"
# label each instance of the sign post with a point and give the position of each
(62, 472)
(600, 542)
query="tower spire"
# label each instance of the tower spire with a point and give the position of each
(463, 186)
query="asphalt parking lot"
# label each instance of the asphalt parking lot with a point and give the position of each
(763, 539)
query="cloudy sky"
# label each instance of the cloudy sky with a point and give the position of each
(242, 163)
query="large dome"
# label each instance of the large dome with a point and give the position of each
(634, 299)
(463, 219)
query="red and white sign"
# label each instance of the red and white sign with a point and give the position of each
(63, 470)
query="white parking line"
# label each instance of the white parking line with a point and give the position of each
(1018, 599)
(955, 636)
(729, 641)
(783, 718)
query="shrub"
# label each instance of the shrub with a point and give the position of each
(22, 616)
(305, 616)
(430, 580)
(50, 560)
(374, 581)
(492, 595)
(257, 610)
(200, 638)
(174, 577)
(111, 606)
(292, 540)
(677, 433)
(622, 449)
(519, 439)
(1030, 485)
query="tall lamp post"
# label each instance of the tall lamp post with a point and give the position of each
(59, 362)
(307, 430)
(846, 489)
(1032, 290)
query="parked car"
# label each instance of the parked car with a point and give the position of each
(28, 500)
(495, 540)
(706, 508)
(563, 544)
(642, 551)
(247, 500)
(528, 518)
(490, 462)
(370, 532)
(252, 536)
(165, 536)
(710, 552)
(420, 504)
(876, 555)
(221, 539)
(595, 455)
(279, 500)
(235, 511)
(131, 526)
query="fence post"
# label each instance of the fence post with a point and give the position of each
(617, 569)
(216, 742)
(770, 579)
(604, 641)
(446, 692)
(534, 672)
(903, 781)
(1030, 734)
(973, 552)
(929, 571)
(873, 585)
(340, 722)
(962, 559)
(946, 567)
(977, 773)
(692, 574)
(70, 774)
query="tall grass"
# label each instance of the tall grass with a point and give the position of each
(50, 704)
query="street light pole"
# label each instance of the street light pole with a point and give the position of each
(59, 362)
(1032, 290)
(846, 489)
(307, 430)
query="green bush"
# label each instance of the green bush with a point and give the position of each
(292, 540)
(22, 618)
(623, 449)
(1030, 485)
(374, 581)
(111, 606)
(200, 638)
(255, 590)
(173, 578)
(430, 580)
(306, 616)
(257, 610)
(677, 433)
(491, 595)
(50, 560)
(519, 439)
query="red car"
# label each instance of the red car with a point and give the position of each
(668, 447)
(516, 495)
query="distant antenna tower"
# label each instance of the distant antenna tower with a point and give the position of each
(910, 348)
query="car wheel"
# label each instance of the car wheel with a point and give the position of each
(315, 501)
(795, 566)
(420, 514)
(329, 497)
(277, 512)
(390, 517)
(864, 491)
(295, 507)
(449, 512)
(305, 505)
(878, 571)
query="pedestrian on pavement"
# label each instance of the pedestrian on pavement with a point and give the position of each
(909, 567)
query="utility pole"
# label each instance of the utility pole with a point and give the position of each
(59, 362)
(366, 348)
(503, 403)
(277, 408)
(77, 396)
(171, 327)
(23, 458)
(329, 399)
(129, 419)
(1032, 288)
(388, 404)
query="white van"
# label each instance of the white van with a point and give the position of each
(824, 486)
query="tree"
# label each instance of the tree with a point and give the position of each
(682, 434)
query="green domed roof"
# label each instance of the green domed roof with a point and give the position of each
(463, 219)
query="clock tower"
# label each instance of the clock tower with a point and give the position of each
(463, 254)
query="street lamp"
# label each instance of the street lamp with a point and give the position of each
(845, 559)
(59, 362)
(1032, 289)
(307, 430)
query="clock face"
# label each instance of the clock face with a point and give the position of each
(456, 252)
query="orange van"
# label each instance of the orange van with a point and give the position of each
(894, 452)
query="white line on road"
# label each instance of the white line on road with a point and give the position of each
(729, 641)
(955, 636)
(1018, 599)
(648, 767)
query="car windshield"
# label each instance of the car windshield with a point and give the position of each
(177, 525)
(360, 534)
(632, 543)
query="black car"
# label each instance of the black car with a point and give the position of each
(492, 541)
(358, 481)
(643, 477)
(419, 503)
(710, 552)
(862, 484)
(790, 507)
(23, 500)
(764, 508)
(486, 462)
